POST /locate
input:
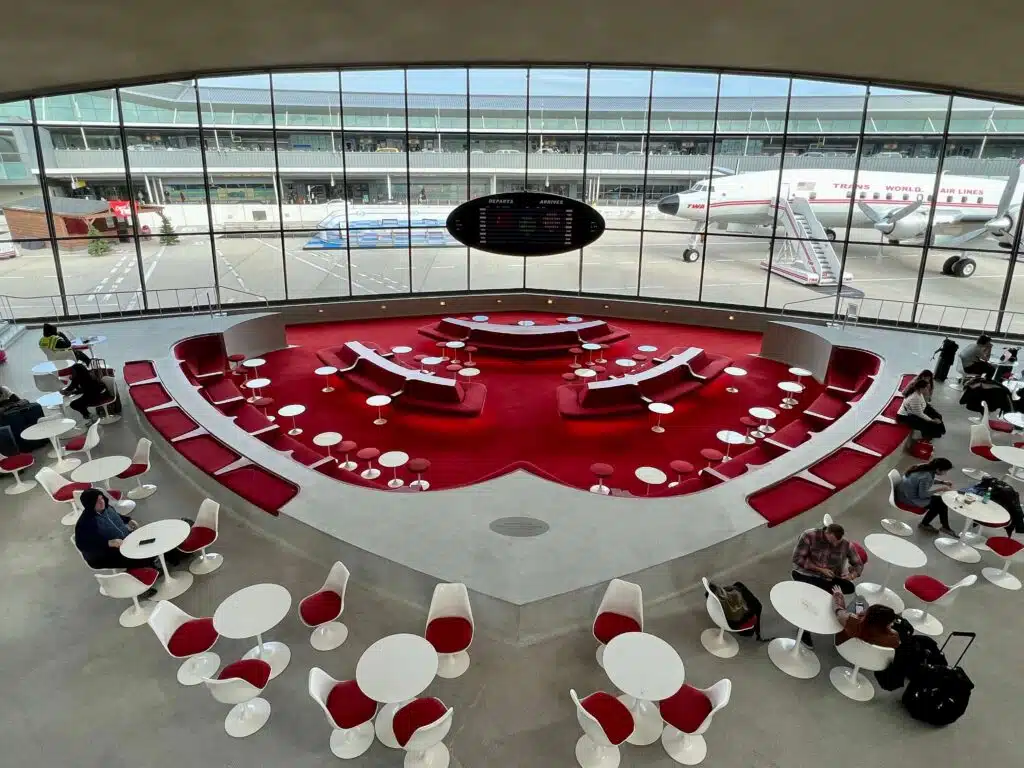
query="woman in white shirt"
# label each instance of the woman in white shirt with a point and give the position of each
(914, 412)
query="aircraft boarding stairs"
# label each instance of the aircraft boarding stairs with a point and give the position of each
(806, 256)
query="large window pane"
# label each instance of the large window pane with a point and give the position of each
(732, 269)
(78, 108)
(179, 267)
(101, 275)
(171, 103)
(317, 263)
(612, 264)
(439, 178)
(665, 274)
(497, 124)
(28, 277)
(250, 266)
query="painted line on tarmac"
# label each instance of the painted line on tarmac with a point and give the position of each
(329, 271)
(231, 268)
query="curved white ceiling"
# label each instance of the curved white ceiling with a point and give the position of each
(48, 46)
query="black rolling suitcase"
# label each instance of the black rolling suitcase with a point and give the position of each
(938, 694)
(947, 354)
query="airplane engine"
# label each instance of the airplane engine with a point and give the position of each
(904, 229)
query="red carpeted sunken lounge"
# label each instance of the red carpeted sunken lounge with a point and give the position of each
(528, 408)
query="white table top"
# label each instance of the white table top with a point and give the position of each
(455, 344)
(291, 410)
(805, 606)
(662, 408)
(1015, 418)
(51, 400)
(52, 366)
(168, 534)
(401, 350)
(252, 611)
(585, 373)
(432, 360)
(978, 510)
(257, 383)
(393, 459)
(526, 323)
(591, 347)
(893, 549)
(643, 666)
(325, 439)
(378, 401)
(647, 348)
(480, 318)
(800, 372)
(469, 372)
(732, 370)
(765, 414)
(45, 430)
(729, 437)
(791, 386)
(88, 341)
(1009, 454)
(325, 370)
(651, 476)
(103, 468)
(254, 362)
(396, 668)
(625, 362)
(574, 319)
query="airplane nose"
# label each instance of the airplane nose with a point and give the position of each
(669, 204)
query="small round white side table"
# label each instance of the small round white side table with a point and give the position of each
(591, 348)
(585, 373)
(764, 415)
(251, 612)
(732, 370)
(791, 388)
(469, 373)
(480, 318)
(455, 346)
(392, 671)
(799, 373)
(393, 460)
(326, 371)
(255, 385)
(380, 402)
(526, 323)
(730, 439)
(660, 409)
(327, 440)
(650, 476)
(292, 411)
(646, 669)
(399, 351)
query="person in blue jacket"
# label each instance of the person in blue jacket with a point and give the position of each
(100, 530)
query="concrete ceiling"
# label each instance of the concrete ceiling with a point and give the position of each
(66, 44)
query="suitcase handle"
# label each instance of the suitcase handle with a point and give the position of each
(970, 639)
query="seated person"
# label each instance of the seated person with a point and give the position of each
(929, 378)
(914, 412)
(100, 531)
(53, 340)
(1007, 362)
(1006, 496)
(824, 558)
(89, 389)
(872, 624)
(922, 486)
(974, 357)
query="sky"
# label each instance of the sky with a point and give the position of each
(549, 82)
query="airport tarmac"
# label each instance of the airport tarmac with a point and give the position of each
(623, 262)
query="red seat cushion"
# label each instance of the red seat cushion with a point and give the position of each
(256, 672)
(65, 493)
(984, 451)
(609, 625)
(601, 470)
(615, 719)
(18, 461)
(75, 443)
(138, 370)
(1004, 546)
(686, 709)
(198, 537)
(236, 358)
(349, 706)
(681, 467)
(861, 552)
(414, 716)
(910, 508)
(711, 454)
(133, 470)
(368, 454)
(418, 465)
(1000, 426)
(347, 446)
(320, 607)
(192, 637)
(449, 634)
(790, 498)
(147, 576)
(260, 487)
(925, 587)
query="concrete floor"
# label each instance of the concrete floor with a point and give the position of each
(80, 690)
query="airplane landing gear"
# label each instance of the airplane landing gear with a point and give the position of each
(691, 255)
(959, 266)
(830, 234)
(693, 251)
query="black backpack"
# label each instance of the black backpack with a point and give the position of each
(938, 694)
(913, 653)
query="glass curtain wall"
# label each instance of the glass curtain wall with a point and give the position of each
(764, 192)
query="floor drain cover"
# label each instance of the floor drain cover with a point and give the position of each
(519, 527)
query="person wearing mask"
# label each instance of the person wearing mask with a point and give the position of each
(100, 530)
(53, 340)
(873, 625)
(89, 390)
(824, 558)
(974, 358)
(914, 411)
(922, 486)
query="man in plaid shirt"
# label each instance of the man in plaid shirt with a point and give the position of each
(824, 558)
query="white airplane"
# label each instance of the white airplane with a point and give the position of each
(897, 205)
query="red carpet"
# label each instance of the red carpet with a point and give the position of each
(520, 422)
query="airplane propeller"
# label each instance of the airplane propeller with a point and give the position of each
(1000, 224)
(887, 223)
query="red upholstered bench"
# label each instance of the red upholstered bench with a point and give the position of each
(138, 371)
(251, 419)
(795, 433)
(222, 391)
(738, 464)
(203, 356)
(299, 452)
(786, 500)
(171, 422)
(844, 467)
(207, 453)
(259, 487)
(151, 395)
(893, 408)
(706, 365)
(827, 408)
(882, 438)
(849, 370)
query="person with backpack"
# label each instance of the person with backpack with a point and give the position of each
(922, 486)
